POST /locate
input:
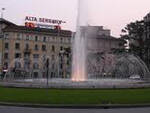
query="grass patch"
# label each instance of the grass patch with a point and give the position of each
(75, 96)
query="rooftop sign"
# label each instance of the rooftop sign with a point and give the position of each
(33, 22)
(43, 20)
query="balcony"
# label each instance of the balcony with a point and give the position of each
(27, 51)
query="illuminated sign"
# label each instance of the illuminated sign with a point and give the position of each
(34, 25)
(43, 20)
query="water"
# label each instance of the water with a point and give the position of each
(79, 46)
(127, 66)
(123, 66)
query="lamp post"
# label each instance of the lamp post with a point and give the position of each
(2, 12)
(47, 66)
(61, 61)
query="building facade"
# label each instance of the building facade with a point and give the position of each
(40, 52)
(101, 47)
(28, 49)
(99, 40)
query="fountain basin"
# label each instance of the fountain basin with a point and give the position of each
(67, 83)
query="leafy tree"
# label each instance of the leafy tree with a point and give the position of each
(134, 33)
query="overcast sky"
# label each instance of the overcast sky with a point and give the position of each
(113, 14)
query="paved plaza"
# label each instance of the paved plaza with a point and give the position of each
(6, 109)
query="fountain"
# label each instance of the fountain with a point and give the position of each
(79, 46)
(101, 66)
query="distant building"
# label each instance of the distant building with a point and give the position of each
(100, 50)
(27, 49)
(98, 30)
(99, 40)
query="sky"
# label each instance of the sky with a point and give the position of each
(112, 14)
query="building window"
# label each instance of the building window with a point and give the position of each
(61, 48)
(44, 39)
(61, 58)
(35, 66)
(61, 66)
(36, 56)
(17, 65)
(27, 65)
(36, 38)
(36, 47)
(68, 62)
(27, 37)
(6, 56)
(6, 36)
(61, 40)
(53, 48)
(31, 37)
(18, 36)
(35, 74)
(27, 56)
(43, 47)
(17, 55)
(27, 46)
(17, 46)
(6, 45)
(44, 58)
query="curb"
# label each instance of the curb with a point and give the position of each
(107, 106)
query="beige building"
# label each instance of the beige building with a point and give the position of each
(28, 49)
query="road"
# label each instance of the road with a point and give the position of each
(6, 109)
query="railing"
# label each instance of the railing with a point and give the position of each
(27, 50)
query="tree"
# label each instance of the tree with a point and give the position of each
(134, 33)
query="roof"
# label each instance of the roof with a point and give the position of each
(16, 28)
(2, 20)
(109, 37)
(53, 32)
(106, 37)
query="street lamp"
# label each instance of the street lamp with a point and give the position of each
(2, 12)
(47, 66)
